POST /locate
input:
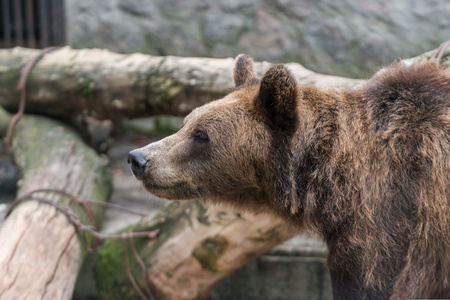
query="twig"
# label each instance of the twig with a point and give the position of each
(107, 205)
(437, 56)
(93, 230)
(128, 270)
(21, 87)
(143, 269)
(73, 218)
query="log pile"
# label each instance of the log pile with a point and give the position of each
(41, 251)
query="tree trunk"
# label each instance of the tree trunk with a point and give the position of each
(106, 85)
(40, 249)
(196, 248)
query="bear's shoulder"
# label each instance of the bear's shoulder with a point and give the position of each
(408, 94)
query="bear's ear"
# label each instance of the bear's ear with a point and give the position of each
(243, 73)
(278, 97)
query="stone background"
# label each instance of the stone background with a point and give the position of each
(342, 37)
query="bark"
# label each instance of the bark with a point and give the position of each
(40, 250)
(107, 85)
(196, 248)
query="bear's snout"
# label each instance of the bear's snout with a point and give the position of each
(138, 163)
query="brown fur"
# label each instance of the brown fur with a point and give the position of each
(368, 169)
(243, 72)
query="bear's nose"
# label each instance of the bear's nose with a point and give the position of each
(138, 162)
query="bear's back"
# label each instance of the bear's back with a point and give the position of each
(406, 98)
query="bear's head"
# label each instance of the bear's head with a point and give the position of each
(229, 150)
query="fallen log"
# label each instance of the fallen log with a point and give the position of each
(107, 85)
(196, 248)
(41, 252)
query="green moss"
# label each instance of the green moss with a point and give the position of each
(209, 251)
(9, 78)
(169, 209)
(5, 119)
(160, 91)
(202, 217)
(109, 269)
(86, 87)
(110, 266)
(35, 135)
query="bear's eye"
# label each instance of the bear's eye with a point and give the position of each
(201, 135)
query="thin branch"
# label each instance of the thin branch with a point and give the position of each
(128, 270)
(21, 87)
(143, 269)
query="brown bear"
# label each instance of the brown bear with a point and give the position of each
(368, 169)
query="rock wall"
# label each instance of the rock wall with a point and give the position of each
(342, 37)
